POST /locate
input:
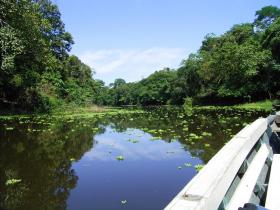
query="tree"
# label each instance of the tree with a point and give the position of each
(236, 59)
(271, 42)
(118, 82)
(36, 70)
(157, 88)
(188, 77)
(271, 39)
(54, 29)
(266, 16)
(21, 40)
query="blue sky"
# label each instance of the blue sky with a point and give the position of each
(130, 39)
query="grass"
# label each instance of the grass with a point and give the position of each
(266, 105)
(260, 105)
(72, 108)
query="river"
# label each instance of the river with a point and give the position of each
(114, 161)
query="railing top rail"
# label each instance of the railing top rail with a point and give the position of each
(271, 119)
(219, 172)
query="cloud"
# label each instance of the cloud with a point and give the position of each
(131, 64)
(117, 144)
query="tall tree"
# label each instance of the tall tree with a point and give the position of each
(53, 29)
(188, 81)
(271, 39)
(266, 16)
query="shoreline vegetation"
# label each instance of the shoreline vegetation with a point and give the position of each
(93, 110)
(39, 75)
(266, 106)
(70, 111)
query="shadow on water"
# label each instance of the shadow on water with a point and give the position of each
(71, 162)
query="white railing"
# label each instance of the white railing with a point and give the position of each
(209, 188)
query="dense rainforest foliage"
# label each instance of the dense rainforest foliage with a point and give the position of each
(38, 73)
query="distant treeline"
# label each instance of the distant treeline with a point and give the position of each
(241, 65)
(38, 74)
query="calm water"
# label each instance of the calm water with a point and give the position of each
(72, 162)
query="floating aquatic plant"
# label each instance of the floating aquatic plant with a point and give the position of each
(194, 136)
(198, 167)
(206, 134)
(245, 124)
(155, 138)
(124, 202)
(134, 141)
(120, 157)
(188, 164)
(12, 181)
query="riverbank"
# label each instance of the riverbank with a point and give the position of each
(69, 111)
(266, 106)
(92, 110)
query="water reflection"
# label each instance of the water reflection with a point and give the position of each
(39, 155)
(116, 143)
(70, 162)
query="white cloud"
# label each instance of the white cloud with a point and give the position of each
(145, 149)
(131, 64)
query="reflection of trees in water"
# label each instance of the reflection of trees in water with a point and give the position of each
(42, 160)
(169, 123)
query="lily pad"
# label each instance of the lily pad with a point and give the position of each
(120, 157)
(188, 164)
(124, 202)
(12, 181)
(198, 167)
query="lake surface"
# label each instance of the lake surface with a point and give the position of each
(113, 161)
